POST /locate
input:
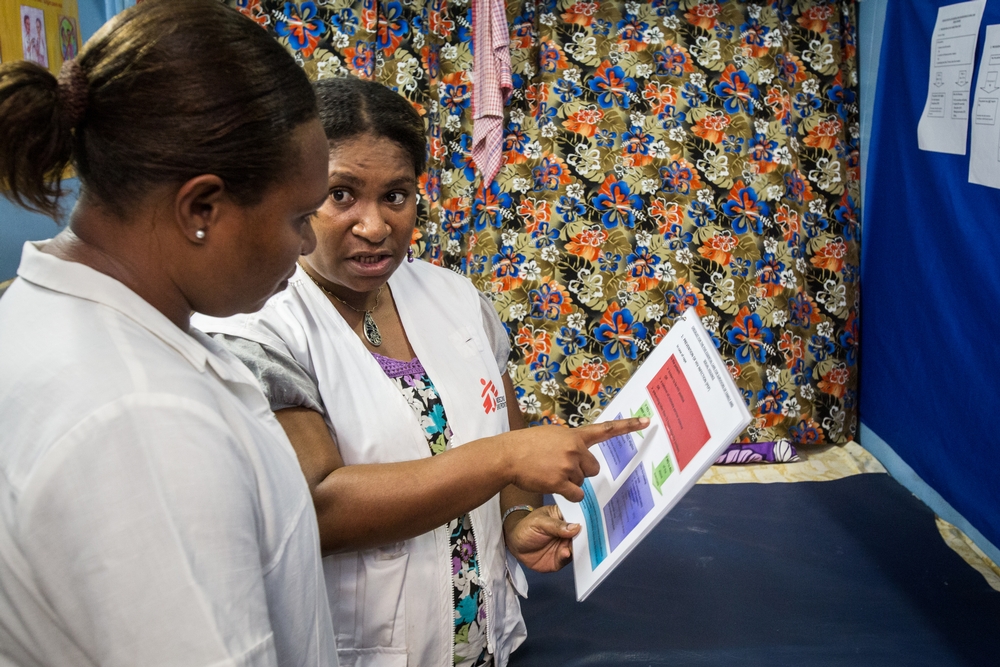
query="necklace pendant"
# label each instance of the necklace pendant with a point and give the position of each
(372, 333)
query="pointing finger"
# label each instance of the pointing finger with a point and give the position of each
(596, 433)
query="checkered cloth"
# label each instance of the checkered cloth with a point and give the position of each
(492, 86)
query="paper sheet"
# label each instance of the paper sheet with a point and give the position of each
(695, 412)
(944, 122)
(984, 157)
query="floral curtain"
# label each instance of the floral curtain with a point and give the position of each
(658, 156)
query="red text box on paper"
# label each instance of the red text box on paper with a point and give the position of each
(679, 411)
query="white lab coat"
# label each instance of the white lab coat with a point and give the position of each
(152, 510)
(392, 606)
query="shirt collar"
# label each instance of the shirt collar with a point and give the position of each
(76, 279)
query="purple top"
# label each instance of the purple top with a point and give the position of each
(411, 370)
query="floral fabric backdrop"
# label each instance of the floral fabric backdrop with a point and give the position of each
(658, 156)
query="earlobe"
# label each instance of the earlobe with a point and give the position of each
(198, 206)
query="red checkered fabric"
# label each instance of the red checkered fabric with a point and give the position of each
(492, 85)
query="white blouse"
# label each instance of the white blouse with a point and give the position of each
(152, 511)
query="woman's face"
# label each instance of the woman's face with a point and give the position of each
(363, 229)
(255, 251)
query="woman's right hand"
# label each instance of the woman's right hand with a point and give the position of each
(555, 459)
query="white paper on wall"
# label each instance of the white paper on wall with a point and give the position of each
(945, 120)
(984, 156)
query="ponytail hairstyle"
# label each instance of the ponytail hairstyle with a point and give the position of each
(350, 107)
(35, 141)
(166, 91)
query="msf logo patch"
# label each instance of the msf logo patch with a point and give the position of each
(492, 399)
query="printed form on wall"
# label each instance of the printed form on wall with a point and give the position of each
(984, 156)
(695, 412)
(945, 120)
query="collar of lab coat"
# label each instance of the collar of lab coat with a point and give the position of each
(78, 280)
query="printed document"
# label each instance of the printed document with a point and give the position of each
(945, 120)
(695, 412)
(984, 156)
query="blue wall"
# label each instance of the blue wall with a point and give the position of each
(17, 225)
(92, 16)
(930, 285)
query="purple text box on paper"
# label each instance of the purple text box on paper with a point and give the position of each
(632, 502)
(618, 452)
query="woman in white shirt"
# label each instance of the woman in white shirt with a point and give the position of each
(378, 369)
(152, 511)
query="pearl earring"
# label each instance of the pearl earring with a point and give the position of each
(409, 254)
(200, 234)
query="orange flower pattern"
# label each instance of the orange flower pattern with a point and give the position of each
(657, 156)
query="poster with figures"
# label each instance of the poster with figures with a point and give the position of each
(33, 41)
(69, 40)
(39, 31)
(695, 412)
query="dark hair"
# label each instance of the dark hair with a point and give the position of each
(349, 107)
(172, 89)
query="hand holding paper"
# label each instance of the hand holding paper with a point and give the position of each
(542, 540)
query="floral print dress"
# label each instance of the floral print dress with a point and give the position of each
(470, 609)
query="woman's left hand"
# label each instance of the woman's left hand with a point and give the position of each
(541, 540)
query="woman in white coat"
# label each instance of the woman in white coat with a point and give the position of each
(152, 511)
(379, 369)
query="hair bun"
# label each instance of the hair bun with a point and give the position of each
(73, 92)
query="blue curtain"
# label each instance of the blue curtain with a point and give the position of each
(929, 368)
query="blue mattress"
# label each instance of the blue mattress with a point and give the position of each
(851, 572)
